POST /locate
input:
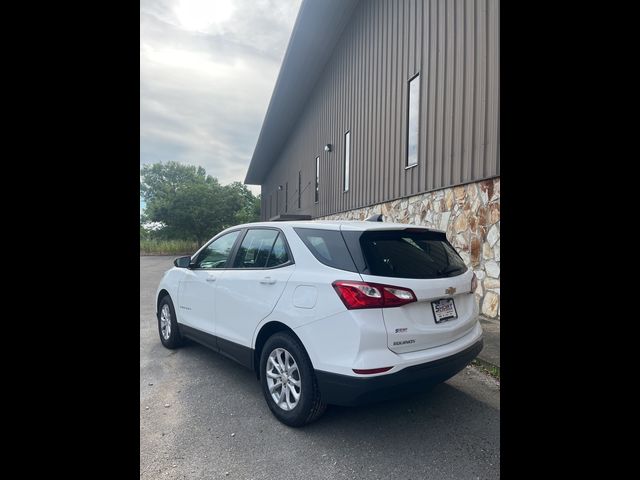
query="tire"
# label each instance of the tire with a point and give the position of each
(309, 405)
(174, 339)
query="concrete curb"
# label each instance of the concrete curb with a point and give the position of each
(490, 354)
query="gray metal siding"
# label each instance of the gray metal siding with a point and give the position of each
(454, 45)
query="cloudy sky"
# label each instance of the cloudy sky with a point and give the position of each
(207, 70)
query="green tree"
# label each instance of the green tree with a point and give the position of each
(161, 181)
(192, 204)
(143, 233)
(249, 210)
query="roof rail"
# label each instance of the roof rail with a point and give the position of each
(289, 217)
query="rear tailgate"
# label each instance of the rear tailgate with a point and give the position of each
(424, 261)
(413, 326)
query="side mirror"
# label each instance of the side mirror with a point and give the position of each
(182, 262)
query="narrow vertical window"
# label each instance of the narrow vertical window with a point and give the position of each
(414, 120)
(286, 197)
(317, 178)
(347, 159)
(299, 188)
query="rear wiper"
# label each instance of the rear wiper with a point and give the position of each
(448, 270)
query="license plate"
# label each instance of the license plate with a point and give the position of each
(444, 309)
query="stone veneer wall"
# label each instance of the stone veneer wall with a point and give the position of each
(470, 214)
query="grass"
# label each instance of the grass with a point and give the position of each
(487, 368)
(167, 247)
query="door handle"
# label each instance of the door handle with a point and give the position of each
(211, 279)
(268, 281)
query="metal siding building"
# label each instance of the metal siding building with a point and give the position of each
(363, 88)
(348, 68)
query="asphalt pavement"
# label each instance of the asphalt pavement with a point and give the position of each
(202, 416)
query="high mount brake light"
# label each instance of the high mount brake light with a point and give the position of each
(357, 295)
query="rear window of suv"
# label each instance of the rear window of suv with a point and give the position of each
(409, 254)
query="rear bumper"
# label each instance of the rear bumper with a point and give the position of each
(348, 391)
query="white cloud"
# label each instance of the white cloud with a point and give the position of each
(200, 15)
(207, 71)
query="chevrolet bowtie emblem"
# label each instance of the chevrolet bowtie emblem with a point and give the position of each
(450, 291)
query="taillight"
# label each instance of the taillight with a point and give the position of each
(474, 283)
(356, 295)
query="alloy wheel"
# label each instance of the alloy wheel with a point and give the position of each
(165, 322)
(283, 379)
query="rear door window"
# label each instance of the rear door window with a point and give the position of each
(410, 254)
(279, 255)
(261, 248)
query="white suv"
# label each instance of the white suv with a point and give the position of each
(326, 312)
